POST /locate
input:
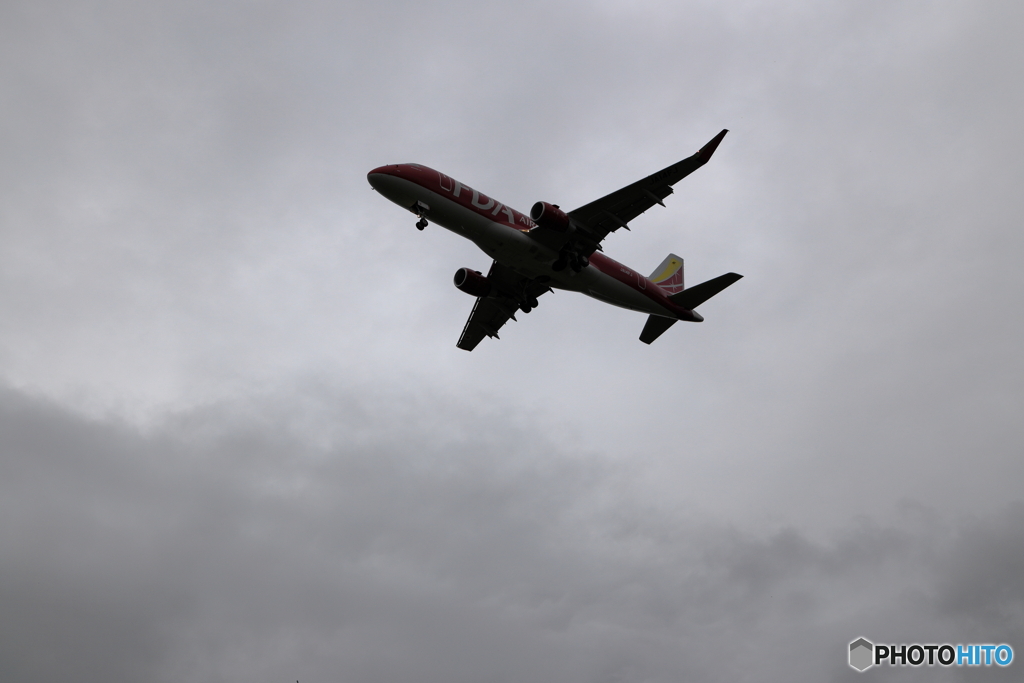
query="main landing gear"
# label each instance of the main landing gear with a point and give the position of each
(421, 223)
(528, 305)
(571, 259)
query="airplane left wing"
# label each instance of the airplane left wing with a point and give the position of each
(611, 212)
(490, 313)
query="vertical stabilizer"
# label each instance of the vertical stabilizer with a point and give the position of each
(669, 275)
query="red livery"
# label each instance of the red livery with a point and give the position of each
(551, 249)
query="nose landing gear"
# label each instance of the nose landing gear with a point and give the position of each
(420, 209)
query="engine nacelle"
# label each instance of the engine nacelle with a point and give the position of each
(472, 282)
(550, 216)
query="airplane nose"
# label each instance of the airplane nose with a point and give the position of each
(376, 175)
(387, 180)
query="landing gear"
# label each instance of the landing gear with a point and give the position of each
(571, 259)
(578, 262)
(420, 209)
(528, 303)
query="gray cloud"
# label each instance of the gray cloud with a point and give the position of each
(238, 435)
(231, 544)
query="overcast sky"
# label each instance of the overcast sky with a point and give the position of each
(238, 443)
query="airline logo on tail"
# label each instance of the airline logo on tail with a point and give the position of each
(669, 275)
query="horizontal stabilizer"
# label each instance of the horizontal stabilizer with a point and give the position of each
(654, 328)
(694, 296)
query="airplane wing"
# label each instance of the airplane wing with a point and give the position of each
(491, 312)
(609, 213)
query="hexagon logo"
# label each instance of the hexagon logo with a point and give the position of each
(861, 654)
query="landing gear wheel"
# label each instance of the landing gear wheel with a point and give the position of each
(531, 302)
(525, 308)
(584, 261)
(421, 223)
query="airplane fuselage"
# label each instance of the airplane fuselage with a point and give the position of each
(514, 240)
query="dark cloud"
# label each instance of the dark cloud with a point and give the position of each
(237, 543)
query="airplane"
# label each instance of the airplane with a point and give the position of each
(551, 249)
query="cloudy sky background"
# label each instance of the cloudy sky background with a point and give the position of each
(237, 441)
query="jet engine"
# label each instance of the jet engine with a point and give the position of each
(472, 282)
(550, 216)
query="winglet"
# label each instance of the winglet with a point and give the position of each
(707, 150)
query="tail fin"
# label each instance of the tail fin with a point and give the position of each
(698, 294)
(669, 275)
(685, 298)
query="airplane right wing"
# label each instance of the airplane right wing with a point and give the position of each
(611, 212)
(490, 313)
